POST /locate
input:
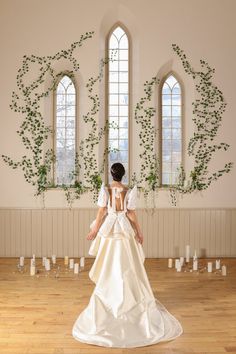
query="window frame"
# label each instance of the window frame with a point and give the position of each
(64, 73)
(159, 148)
(128, 171)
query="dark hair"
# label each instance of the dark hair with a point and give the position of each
(117, 171)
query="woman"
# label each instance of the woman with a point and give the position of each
(122, 311)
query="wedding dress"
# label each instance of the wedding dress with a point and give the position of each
(122, 311)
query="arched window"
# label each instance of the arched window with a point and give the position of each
(171, 130)
(118, 99)
(65, 131)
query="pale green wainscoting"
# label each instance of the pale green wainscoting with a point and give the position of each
(212, 232)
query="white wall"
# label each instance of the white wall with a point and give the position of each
(203, 29)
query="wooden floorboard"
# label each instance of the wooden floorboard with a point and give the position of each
(37, 313)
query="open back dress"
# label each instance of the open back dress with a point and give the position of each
(122, 311)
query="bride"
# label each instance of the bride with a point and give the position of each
(122, 311)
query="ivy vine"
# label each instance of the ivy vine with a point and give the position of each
(207, 116)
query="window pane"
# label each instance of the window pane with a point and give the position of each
(123, 76)
(113, 76)
(124, 122)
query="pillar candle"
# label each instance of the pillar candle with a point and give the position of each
(43, 261)
(217, 263)
(209, 267)
(22, 261)
(195, 255)
(178, 266)
(82, 261)
(224, 272)
(32, 262)
(66, 260)
(181, 261)
(187, 253)
(54, 259)
(170, 263)
(177, 262)
(195, 264)
(47, 264)
(71, 263)
(76, 268)
(32, 270)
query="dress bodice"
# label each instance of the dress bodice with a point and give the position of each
(108, 196)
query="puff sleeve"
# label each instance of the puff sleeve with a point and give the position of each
(102, 197)
(132, 198)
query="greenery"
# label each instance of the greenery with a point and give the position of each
(207, 116)
(37, 163)
(149, 171)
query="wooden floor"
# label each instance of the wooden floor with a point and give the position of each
(37, 313)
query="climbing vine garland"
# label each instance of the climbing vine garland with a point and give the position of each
(37, 164)
(33, 130)
(149, 171)
(207, 116)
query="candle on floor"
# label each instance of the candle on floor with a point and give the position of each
(209, 267)
(177, 262)
(66, 260)
(76, 268)
(82, 262)
(195, 255)
(43, 261)
(54, 258)
(22, 259)
(71, 263)
(32, 262)
(47, 264)
(170, 263)
(181, 261)
(34, 256)
(224, 271)
(187, 255)
(195, 264)
(32, 270)
(178, 266)
(217, 263)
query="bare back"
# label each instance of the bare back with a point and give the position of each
(117, 195)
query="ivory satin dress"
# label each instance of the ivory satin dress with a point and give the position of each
(122, 311)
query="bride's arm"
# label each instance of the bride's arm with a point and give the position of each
(99, 219)
(131, 214)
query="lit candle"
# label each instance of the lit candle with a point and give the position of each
(43, 261)
(82, 261)
(209, 267)
(195, 255)
(170, 263)
(76, 268)
(195, 264)
(217, 263)
(47, 264)
(32, 262)
(54, 259)
(66, 260)
(32, 270)
(224, 272)
(187, 253)
(71, 263)
(181, 261)
(34, 256)
(22, 261)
